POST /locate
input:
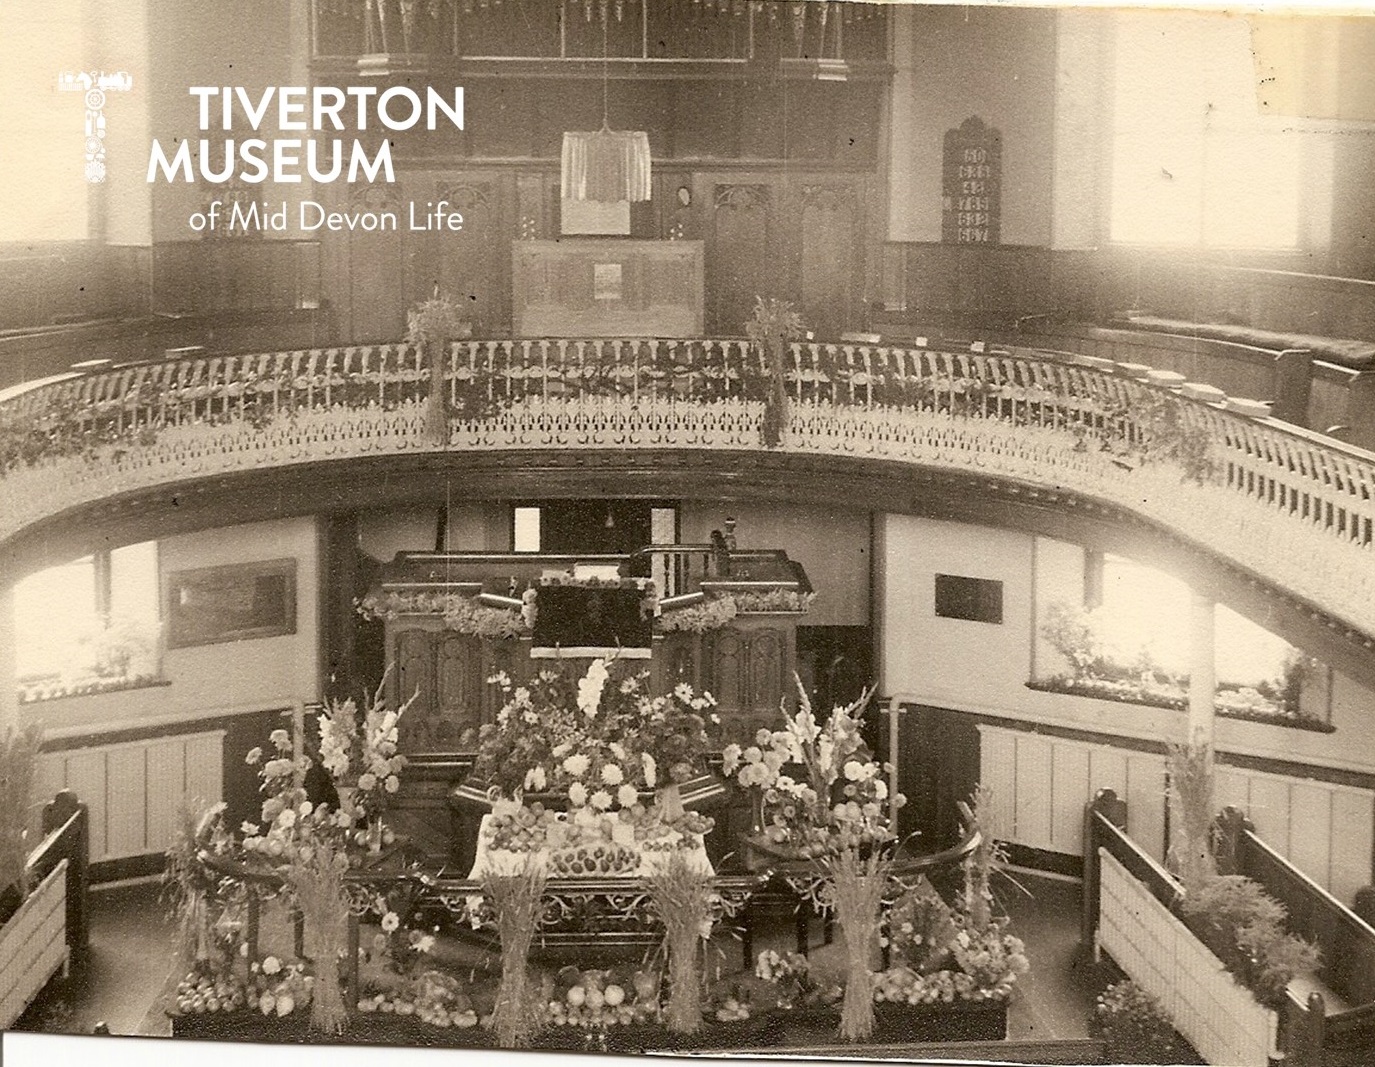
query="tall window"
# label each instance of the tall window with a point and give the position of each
(89, 624)
(1193, 161)
(42, 158)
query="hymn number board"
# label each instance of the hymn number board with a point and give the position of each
(971, 184)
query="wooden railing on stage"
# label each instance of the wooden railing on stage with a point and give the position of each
(50, 930)
(1305, 1033)
(1326, 1036)
(567, 925)
(1292, 506)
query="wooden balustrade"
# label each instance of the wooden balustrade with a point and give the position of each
(1077, 422)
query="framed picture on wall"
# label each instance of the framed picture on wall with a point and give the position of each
(231, 603)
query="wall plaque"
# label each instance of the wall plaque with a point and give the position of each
(971, 185)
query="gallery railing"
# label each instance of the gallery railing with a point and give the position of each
(1293, 506)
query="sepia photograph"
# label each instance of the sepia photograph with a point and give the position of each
(804, 529)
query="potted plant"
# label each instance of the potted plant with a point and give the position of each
(431, 325)
(774, 323)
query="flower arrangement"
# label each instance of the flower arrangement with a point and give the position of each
(710, 614)
(1135, 1027)
(1103, 668)
(941, 954)
(435, 321)
(771, 600)
(361, 756)
(771, 326)
(1245, 927)
(835, 799)
(600, 738)
(294, 826)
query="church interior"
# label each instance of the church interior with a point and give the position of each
(690, 525)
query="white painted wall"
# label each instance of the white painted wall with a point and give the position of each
(957, 62)
(1042, 782)
(952, 662)
(832, 545)
(220, 679)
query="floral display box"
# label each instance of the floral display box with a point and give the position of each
(294, 1029)
(894, 1024)
(759, 1032)
(903, 1024)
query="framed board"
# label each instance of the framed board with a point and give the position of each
(231, 603)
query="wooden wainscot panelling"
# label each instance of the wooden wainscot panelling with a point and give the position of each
(135, 790)
(1041, 783)
(1323, 828)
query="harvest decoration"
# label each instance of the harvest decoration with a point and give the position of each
(837, 797)
(361, 756)
(600, 739)
(771, 326)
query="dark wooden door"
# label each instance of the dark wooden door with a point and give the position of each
(830, 253)
(743, 246)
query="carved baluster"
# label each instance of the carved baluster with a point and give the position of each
(563, 366)
(310, 372)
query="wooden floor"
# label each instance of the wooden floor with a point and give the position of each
(132, 955)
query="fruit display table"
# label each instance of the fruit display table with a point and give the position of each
(616, 856)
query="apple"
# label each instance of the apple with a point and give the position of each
(577, 996)
(614, 996)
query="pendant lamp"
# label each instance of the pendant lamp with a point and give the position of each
(606, 165)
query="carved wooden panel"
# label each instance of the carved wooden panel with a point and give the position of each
(766, 670)
(748, 668)
(472, 263)
(727, 671)
(376, 294)
(458, 693)
(829, 261)
(741, 262)
(415, 672)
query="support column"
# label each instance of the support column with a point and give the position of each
(9, 696)
(1202, 670)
